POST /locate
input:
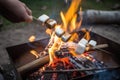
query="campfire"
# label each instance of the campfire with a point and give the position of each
(69, 56)
(70, 52)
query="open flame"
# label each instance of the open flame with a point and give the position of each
(34, 53)
(69, 25)
(58, 49)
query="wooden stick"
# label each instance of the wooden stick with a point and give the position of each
(100, 46)
(87, 69)
(34, 64)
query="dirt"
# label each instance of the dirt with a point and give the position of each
(21, 34)
(18, 35)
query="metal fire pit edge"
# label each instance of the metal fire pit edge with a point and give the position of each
(18, 51)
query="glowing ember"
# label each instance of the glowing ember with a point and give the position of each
(49, 31)
(32, 38)
(34, 53)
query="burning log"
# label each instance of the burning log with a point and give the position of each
(32, 65)
(80, 66)
(104, 17)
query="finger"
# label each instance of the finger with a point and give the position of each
(28, 11)
(28, 14)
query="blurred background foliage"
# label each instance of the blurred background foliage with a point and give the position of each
(53, 8)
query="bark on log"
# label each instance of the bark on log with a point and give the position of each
(101, 17)
(32, 65)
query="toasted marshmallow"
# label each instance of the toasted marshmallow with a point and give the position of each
(59, 31)
(65, 37)
(51, 23)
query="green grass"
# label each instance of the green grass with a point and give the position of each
(53, 8)
(92, 4)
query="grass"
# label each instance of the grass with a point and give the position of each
(49, 7)
(105, 5)
(53, 7)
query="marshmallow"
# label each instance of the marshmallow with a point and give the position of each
(83, 41)
(59, 31)
(92, 43)
(65, 37)
(51, 23)
(43, 18)
(81, 47)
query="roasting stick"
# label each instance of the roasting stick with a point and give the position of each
(34, 64)
(36, 20)
(87, 69)
(100, 46)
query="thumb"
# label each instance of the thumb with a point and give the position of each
(28, 19)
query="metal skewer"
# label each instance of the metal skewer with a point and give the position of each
(87, 69)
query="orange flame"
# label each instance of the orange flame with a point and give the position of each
(74, 37)
(73, 23)
(69, 25)
(49, 31)
(87, 35)
(32, 38)
(64, 21)
(72, 10)
(34, 53)
(56, 46)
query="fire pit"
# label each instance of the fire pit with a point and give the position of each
(20, 55)
(69, 54)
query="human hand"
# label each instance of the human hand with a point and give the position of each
(15, 11)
